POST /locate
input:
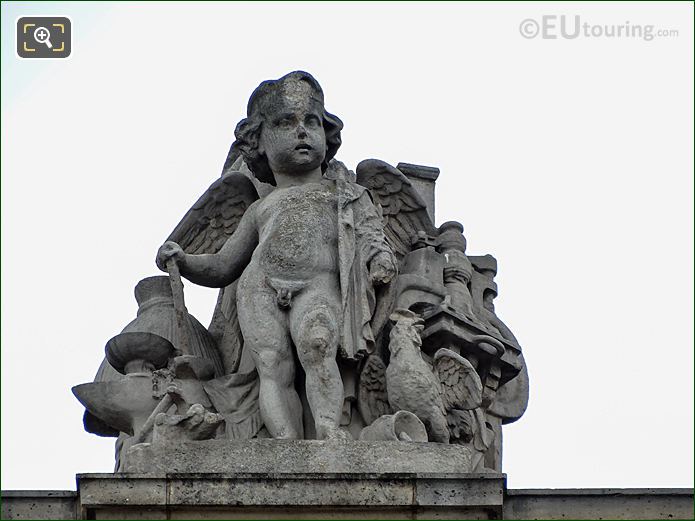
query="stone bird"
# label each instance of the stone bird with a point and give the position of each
(428, 392)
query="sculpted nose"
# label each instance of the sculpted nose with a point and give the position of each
(301, 132)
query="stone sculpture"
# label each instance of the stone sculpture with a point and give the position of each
(343, 315)
(450, 384)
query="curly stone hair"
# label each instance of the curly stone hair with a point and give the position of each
(248, 131)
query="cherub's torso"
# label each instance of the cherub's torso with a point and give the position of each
(298, 232)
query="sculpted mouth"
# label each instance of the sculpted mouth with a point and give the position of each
(303, 146)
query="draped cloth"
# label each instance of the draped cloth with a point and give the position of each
(360, 239)
(235, 397)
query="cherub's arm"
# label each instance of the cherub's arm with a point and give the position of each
(220, 269)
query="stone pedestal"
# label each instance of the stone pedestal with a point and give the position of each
(293, 479)
(297, 456)
(282, 479)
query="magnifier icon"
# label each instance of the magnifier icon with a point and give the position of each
(43, 35)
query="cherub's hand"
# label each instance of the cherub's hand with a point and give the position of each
(381, 269)
(169, 250)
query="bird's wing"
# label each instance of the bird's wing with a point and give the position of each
(461, 385)
(372, 400)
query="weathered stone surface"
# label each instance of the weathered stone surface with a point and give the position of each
(600, 503)
(239, 495)
(39, 504)
(292, 456)
(122, 490)
(118, 496)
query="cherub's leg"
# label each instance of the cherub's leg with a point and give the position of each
(265, 332)
(314, 327)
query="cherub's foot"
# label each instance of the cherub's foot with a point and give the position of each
(333, 433)
(196, 424)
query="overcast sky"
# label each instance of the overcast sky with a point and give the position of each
(569, 160)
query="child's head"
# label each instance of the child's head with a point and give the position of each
(294, 101)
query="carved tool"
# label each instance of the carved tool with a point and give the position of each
(166, 402)
(179, 307)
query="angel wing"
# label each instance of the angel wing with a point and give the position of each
(205, 229)
(461, 385)
(215, 216)
(372, 400)
(404, 210)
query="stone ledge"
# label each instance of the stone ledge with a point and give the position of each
(599, 503)
(39, 504)
(600, 491)
(302, 489)
(641, 503)
(235, 496)
(41, 494)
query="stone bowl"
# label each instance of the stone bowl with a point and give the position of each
(126, 404)
(122, 404)
(148, 347)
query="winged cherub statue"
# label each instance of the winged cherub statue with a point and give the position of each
(302, 262)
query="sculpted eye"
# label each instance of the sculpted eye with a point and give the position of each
(285, 122)
(313, 121)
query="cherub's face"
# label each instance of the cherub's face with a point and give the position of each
(293, 138)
